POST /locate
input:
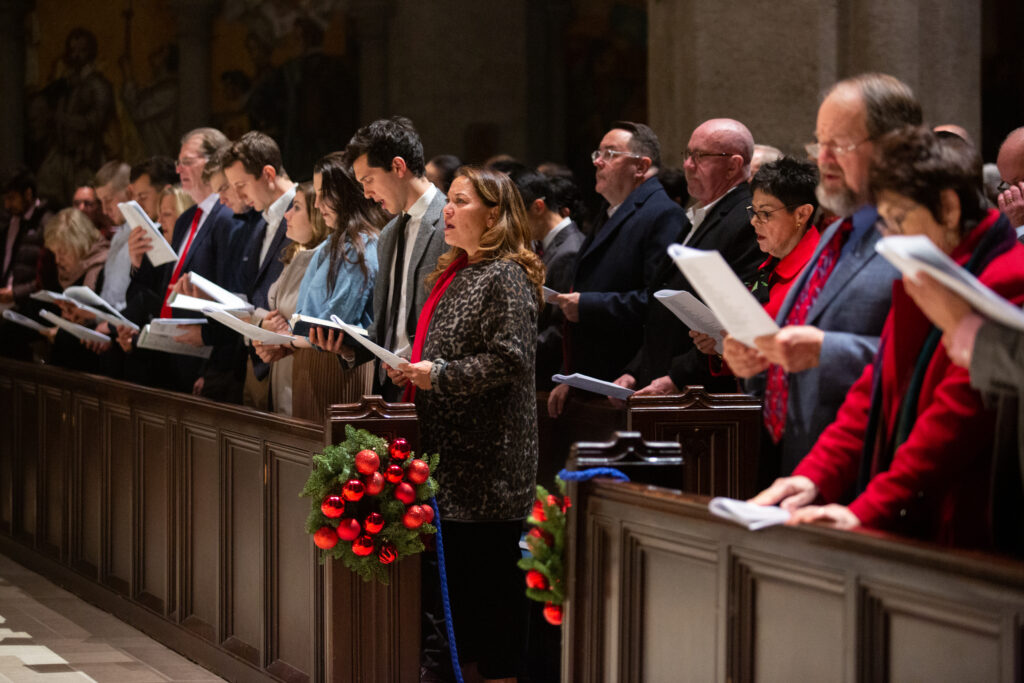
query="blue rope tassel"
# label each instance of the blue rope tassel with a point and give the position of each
(449, 625)
(588, 474)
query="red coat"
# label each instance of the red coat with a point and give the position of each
(937, 486)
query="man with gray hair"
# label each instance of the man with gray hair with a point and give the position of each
(833, 316)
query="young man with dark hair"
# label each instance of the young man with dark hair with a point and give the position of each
(387, 160)
(148, 179)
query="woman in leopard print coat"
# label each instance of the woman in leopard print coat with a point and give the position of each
(473, 369)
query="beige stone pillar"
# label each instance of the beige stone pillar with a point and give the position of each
(767, 64)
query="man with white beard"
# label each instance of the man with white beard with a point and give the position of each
(833, 315)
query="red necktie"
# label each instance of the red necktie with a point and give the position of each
(776, 395)
(165, 310)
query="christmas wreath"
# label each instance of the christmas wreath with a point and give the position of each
(545, 568)
(370, 502)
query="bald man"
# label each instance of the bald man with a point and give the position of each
(1011, 169)
(717, 168)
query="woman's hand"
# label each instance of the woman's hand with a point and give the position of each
(417, 373)
(705, 343)
(275, 322)
(270, 353)
(125, 336)
(398, 378)
(838, 516)
(789, 493)
(326, 340)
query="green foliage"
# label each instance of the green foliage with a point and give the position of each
(548, 558)
(332, 468)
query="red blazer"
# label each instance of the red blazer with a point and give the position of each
(939, 477)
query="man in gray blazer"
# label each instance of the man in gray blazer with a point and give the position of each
(387, 159)
(833, 316)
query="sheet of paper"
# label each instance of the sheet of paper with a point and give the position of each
(83, 333)
(46, 296)
(914, 253)
(190, 303)
(358, 334)
(752, 516)
(597, 386)
(728, 298)
(161, 252)
(550, 294)
(248, 330)
(160, 342)
(693, 313)
(172, 327)
(219, 294)
(84, 295)
(114, 320)
(25, 321)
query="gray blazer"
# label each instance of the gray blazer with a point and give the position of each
(427, 249)
(851, 309)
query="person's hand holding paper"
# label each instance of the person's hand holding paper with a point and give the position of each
(744, 361)
(139, 244)
(795, 347)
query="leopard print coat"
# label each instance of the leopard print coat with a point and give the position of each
(481, 413)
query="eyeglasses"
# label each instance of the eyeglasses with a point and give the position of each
(763, 216)
(814, 148)
(607, 155)
(188, 161)
(698, 155)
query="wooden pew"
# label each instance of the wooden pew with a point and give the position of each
(659, 463)
(661, 590)
(720, 436)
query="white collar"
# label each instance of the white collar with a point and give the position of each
(419, 207)
(275, 212)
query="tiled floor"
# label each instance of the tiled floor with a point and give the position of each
(49, 635)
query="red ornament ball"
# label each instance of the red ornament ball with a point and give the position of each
(399, 449)
(566, 504)
(544, 536)
(367, 461)
(428, 513)
(333, 506)
(418, 471)
(413, 518)
(363, 546)
(325, 537)
(405, 493)
(374, 523)
(374, 483)
(553, 614)
(387, 554)
(534, 579)
(394, 473)
(348, 529)
(353, 490)
(538, 511)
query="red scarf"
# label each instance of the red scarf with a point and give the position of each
(423, 324)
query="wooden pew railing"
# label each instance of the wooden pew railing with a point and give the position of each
(720, 435)
(661, 590)
(181, 516)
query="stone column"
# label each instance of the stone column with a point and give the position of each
(767, 64)
(195, 36)
(12, 78)
(371, 19)
(545, 63)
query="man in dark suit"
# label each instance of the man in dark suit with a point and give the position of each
(833, 315)
(557, 240)
(387, 160)
(605, 309)
(717, 170)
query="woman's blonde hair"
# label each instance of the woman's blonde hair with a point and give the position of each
(71, 230)
(182, 201)
(509, 237)
(316, 221)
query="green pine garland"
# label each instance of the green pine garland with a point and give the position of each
(547, 547)
(334, 466)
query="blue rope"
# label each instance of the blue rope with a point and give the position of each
(449, 625)
(588, 474)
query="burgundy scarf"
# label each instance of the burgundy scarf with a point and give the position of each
(427, 314)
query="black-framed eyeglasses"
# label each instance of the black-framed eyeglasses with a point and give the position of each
(763, 215)
(698, 155)
(607, 155)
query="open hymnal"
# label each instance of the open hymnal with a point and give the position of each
(74, 329)
(592, 384)
(693, 313)
(247, 330)
(25, 321)
(302, 324)
(728, 298)
(161, 342)
(358, 334)
(160, 252)
(750, 515)
(913, 253)
(172, 327)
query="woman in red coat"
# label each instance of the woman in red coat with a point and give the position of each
(910, 449)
